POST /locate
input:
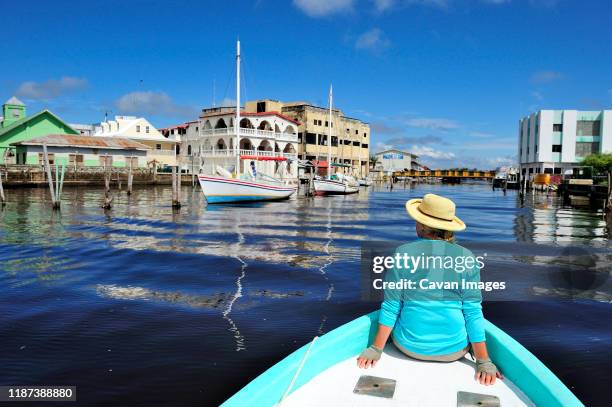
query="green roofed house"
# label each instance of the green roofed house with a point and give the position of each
(82, 151)
(15, 126)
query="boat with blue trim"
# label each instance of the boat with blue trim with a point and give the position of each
(324, 372)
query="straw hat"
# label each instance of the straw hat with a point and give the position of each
(436, 212)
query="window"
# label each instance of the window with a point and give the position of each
(356, 143)
(326, 123)
(556, 148)
(158, 146)
(548, 170)
(315, 122)
(584, 149)
(75, 160)
(138, 129)
(347, 142)
(147, 129)
(365, 135)
(334, 141)
(557, 171)
(106, 160)
(41, 158)
(587, 128)
(557, 127)
(131, 162)
(311, 138)
(189, 149)
(356, 131)
(299, 137)
(261, 107)
(322, 139)
(364, 145)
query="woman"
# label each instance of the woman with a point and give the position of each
(442, 329)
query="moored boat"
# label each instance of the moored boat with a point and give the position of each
(220, 189)
(324, 186)
(365, 182)
(334, 184)
(324, 372)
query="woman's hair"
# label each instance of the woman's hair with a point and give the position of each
(439, 234)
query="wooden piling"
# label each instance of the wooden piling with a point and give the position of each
(108, 198)
(130, 178)
(54, 201)
(176, 187)
(2, 197)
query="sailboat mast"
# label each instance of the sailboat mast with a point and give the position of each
(329, 134)
(237, 124)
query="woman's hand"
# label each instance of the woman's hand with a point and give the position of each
(486, 372)
(369, 357)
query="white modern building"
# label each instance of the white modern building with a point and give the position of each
(388, 161)
(162, 150)
(555, 141)
(267, 139)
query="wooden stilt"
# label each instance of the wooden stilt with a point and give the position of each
(54, 202)
(176, 203)
(108, 198)
(2, 197)
(130, 178)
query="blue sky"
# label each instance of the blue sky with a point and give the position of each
(447, 79)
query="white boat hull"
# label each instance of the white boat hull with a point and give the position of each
(365, 182)
(219, 189)
(329, 187)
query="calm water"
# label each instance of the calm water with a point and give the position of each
(145, 306)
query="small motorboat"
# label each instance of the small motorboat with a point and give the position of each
(365, 182)
(334, 185)
(325, 373)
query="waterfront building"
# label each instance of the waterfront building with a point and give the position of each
(84, 129)
(556, 141)
(389, 161)
(267, 139)
(162, 150)
(82, 151)
(16, 126)
(350, 137)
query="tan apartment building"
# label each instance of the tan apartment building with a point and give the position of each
(350, 139)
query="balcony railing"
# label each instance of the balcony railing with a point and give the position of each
(220, 153)
(244, 132)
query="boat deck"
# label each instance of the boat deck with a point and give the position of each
(418, 384)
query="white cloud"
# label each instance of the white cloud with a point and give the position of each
(545, 77)
(426, 151)
(383, 5)
(50, 89)
(480, 134)
(153, 103)
(537, 95)
(373, 39)
(432, 123)
(322, 8)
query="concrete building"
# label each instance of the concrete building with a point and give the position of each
(555, 141)
(269, 139)
(161, 149)
(350, 137)
(388, 161)
(82, 151)
(16, 126)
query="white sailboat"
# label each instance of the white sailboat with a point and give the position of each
(333, 184)
(224, 188)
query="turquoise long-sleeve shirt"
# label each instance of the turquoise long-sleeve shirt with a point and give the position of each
(435, 322)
